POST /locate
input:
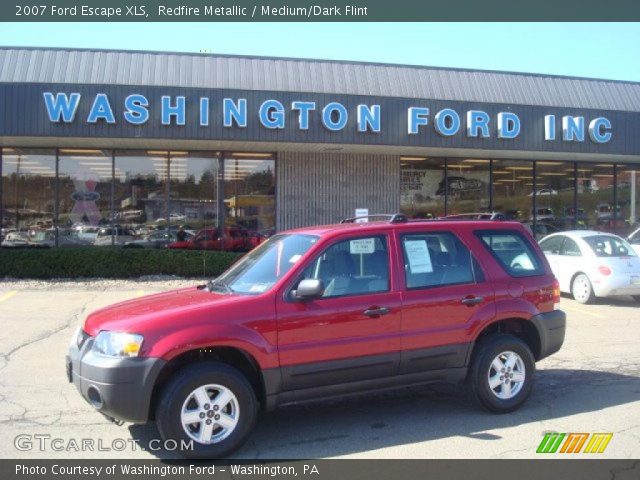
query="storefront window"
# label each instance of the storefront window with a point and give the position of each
(194, 183)
(554, 197)
(628, 190)
(468, 185)
(84, 206)
(141, 193)
(249, 192)
(422, 187)
(595, 196)
(512, 186)
(28, 196)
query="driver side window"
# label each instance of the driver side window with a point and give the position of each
(352, 267)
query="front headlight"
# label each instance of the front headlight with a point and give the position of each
(118, 344)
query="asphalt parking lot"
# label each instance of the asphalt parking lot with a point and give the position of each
(591, 385)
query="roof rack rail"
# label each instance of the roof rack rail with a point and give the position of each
(393, 217)
(475, 216)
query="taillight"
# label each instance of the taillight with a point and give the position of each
(556, 291)
(604, 270)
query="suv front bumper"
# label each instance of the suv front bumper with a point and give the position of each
(120, 388)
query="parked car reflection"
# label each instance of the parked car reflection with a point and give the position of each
(158, 239)
(121, 235)
(234, 239)
(15, 240)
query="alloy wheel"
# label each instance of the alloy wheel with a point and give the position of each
(210, 414)
(506, 375)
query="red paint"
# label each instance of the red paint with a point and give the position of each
(235, 239)
(277, 332)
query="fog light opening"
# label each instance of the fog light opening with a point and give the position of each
(95, 398)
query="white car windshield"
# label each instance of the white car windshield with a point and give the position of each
(609, 246)
(261, 268)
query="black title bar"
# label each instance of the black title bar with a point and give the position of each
(318, 10)
(567, 469)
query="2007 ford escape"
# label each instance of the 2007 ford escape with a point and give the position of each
(321, 312)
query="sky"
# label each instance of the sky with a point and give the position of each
(596, 50)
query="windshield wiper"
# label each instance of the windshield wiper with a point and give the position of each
(214, 285)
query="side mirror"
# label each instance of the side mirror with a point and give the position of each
(309, 289)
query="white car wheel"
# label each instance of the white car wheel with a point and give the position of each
(581, 289)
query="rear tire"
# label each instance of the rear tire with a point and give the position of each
(207, 392)
(502, 373)
(582, 290)
(636, 298)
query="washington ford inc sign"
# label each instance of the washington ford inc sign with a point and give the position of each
(334, 116)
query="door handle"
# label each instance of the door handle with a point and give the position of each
(376, 312)
(471, 300)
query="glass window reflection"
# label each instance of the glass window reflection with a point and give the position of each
(28, 196)
(422, 186)
(84, 183)
(249, 193)
(468, 185)
(141, 190)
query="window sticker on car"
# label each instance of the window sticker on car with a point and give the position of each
(362, 245)
(295, 258)
(418, 256)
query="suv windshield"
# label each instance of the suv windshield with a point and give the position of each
(609, 246)
(261, 268)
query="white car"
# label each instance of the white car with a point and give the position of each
(591, 264)
(634, 240)
(15, 239)
(544, 191)
(543, 214)
(121, 236)
(173, 217)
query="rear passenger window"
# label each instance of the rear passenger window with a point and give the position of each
(352, 267)
(512, 251)
(435, 259)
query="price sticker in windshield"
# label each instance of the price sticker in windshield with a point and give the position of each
(362, 245)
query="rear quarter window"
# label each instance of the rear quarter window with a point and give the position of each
(609, 246)
(513, 252)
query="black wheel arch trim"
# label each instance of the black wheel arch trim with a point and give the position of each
(551, 327)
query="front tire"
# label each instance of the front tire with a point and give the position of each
(210, 404)
(502, 373)
(582, 290)
(636, 298)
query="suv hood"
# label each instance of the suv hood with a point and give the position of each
(171, 307)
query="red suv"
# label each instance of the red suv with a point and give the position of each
(235, 239)
(322, 312)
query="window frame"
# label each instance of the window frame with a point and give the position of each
(298, 278)
(540, 271)
(477, 279)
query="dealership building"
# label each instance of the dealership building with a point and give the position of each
(93, 138)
